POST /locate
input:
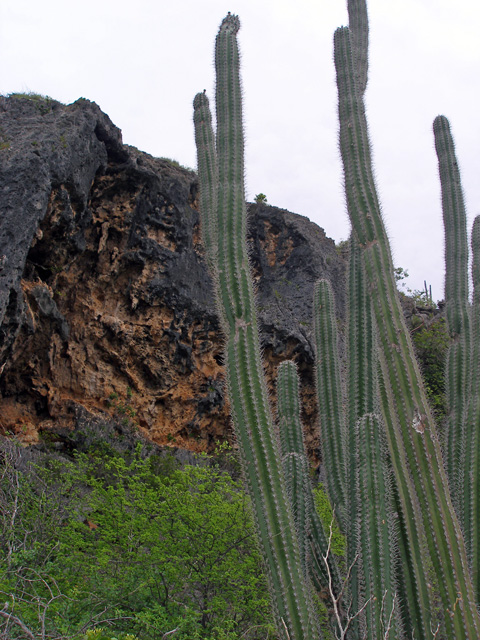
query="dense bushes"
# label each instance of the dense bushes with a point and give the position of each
(127, 545)
(431, 342)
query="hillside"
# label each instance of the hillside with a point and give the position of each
(106, 306)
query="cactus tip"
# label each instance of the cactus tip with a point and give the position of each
(231, 23)
(200, 100)
(441, 122)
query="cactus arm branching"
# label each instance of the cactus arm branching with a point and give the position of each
(410, 430)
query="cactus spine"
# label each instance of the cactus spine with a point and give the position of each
(247, 389)
(433, 532)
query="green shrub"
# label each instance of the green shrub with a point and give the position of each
(104, 539)
(327, 517)
(431, 342)
(104, 634)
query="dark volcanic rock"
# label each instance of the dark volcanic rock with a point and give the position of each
(289, 254)
(106, 305)
(44, 145)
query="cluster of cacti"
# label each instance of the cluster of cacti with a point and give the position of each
(312, 538)
(433, 539)
(408, 571)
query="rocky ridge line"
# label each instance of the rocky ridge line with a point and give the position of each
(106, 305)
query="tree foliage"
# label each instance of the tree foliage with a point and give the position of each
(111, 543)
(431, 342)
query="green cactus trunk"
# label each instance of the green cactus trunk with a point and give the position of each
(249, 402)
(312, 539)
(473, 445)
(458, 314)
(376, 534)
(330, 397)
(358, 25)
(433, 532)
(463, 364)
(207, 175)
(373, 536)
(361, 377)
(294, 460)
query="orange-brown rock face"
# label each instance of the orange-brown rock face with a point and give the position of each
(108, 308)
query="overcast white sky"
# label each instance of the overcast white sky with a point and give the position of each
(144, 61)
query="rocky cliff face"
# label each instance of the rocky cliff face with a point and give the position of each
(106, 306)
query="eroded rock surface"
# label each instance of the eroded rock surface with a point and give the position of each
(106, 305)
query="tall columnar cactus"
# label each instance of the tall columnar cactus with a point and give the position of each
(225, 217)
(457, 308)
(208, 175)
(294, 460)
(376, 533)
(473, 444)
(436, 546)
(330, 396)
(463, 366)
(371, 528)
(369, 520)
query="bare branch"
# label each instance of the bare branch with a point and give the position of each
(11, 618)
(343, 626)
(285, 626)
(390, 617)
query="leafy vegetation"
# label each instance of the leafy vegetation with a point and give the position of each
(431, 342)
(177, 164)
(116, 545)
(327, 517)
(44, 104)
